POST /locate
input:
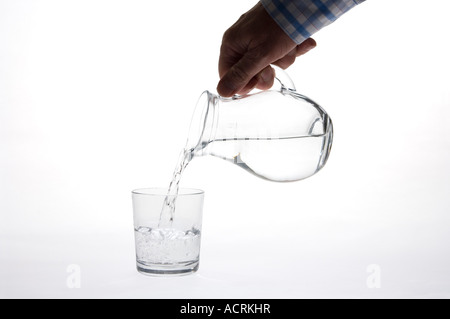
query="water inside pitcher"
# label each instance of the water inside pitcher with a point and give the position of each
(278, 134)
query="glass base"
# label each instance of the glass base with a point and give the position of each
(163, 270)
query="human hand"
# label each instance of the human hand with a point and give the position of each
(249, 47)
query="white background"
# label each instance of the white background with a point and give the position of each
(96, 98)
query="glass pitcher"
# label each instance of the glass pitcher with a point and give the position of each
(278, 134)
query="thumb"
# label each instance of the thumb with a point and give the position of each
(240, 74)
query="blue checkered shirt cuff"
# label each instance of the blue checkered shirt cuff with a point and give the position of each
(300, 19)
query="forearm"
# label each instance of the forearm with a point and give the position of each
(300, 19)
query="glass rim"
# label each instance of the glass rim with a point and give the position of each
(160, 191)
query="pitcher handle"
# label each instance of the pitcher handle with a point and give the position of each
(282, 79)
(282, 84)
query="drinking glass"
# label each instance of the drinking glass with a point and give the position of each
(173, 249)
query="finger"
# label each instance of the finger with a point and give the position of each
(263, 81)
(299, 50)
(306, 46)
(228, 57)
(240, 74)
(266, 78)
(250, 86)
(287, 60)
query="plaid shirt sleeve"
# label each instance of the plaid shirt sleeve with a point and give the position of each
(300, 19)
